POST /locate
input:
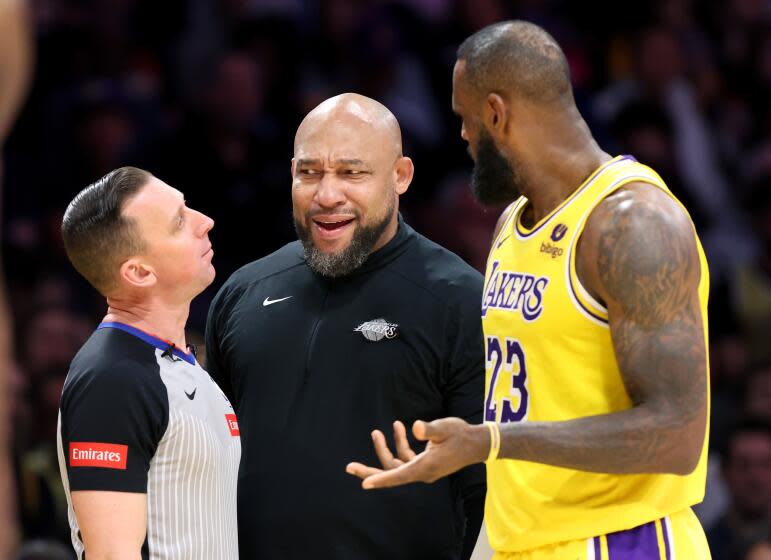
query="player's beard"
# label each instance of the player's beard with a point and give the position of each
(494, 180)
(342, 263)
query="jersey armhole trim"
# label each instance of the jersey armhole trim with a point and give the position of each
(584, 302)
(509, 212)
(522, 233)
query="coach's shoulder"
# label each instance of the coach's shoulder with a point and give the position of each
(288, 257)
(442, 272)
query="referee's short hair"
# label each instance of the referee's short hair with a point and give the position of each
(97, 236)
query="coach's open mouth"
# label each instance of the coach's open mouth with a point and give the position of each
(332, 225)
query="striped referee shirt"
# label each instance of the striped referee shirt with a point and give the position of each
(136, 416)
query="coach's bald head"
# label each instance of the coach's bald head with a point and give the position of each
(357, 113)
(348, 172)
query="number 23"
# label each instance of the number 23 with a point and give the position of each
(496, 358)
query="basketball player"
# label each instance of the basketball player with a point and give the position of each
(594, 314)
(148, 445)
(15, 64)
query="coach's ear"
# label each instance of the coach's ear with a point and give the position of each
(404, 170)
(137, 274)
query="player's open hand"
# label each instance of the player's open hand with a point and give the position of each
(452, 445)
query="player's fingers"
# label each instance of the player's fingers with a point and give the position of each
(406, 473)
(437, 430)
(402, 445)
(362, 471)
(383, 453)
(423, 430)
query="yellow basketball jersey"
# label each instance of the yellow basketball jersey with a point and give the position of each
(550, 358)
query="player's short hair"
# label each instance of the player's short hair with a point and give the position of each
(97, 236)
(519, 57)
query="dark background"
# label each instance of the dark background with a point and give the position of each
(207, 96)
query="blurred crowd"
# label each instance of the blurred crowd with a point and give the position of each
(207, 95)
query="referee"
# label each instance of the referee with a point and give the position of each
(361, 322)
(148, 445)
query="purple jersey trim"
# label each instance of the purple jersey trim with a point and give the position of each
(581, 303)
(640, 543)
(589, 181)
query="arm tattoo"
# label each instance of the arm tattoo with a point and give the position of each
(646, 267)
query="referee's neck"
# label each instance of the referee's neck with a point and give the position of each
(166, 322)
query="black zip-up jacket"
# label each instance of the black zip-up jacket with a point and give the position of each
(312, 365)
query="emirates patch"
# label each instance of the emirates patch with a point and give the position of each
(232, 425)
(103, 455)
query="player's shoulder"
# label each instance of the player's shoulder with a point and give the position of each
(439, 270)
(637, 208)
(642, 232)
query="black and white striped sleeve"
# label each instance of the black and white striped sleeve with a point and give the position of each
(112, 418)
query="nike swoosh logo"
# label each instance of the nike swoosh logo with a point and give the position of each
(269, 301)
(502, 241)
(191, 396)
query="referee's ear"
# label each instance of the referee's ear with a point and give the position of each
(137, 274)
(404, 169)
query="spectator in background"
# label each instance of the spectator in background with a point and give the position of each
(15, 64)
(43, 550)
(750, 283)
(761, 550)
(747, 472)
(42, 502)
(232, 140)
(52, 336)
(644, 129)
(757, 392)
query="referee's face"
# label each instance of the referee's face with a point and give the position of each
(177, 261)
(347, 178)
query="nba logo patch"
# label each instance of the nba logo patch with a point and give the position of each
(559, 232)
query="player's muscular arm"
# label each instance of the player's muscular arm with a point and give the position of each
(638, 255)
(113, 524)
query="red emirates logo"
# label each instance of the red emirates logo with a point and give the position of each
(232, 424)
(105, 455)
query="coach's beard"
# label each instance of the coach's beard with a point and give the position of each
(342, 263)
(494, 180)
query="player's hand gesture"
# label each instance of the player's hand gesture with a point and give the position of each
(452, 445)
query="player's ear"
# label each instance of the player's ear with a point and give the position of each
(404, 170)
(137, 274)
(495, 114)
(292, 169)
